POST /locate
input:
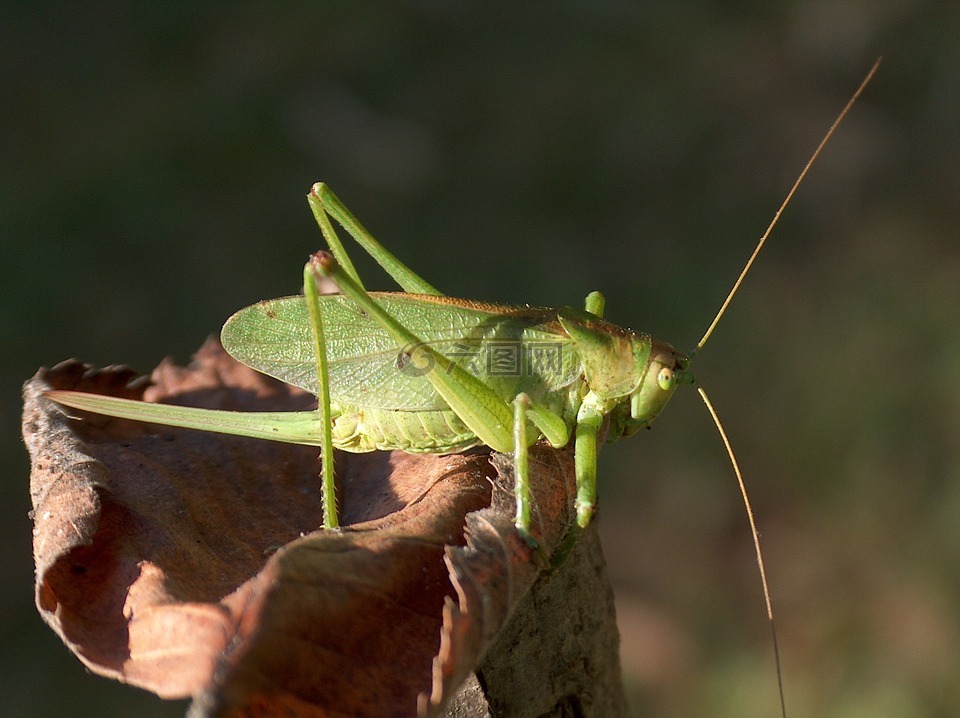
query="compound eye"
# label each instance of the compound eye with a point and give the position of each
(665, 379)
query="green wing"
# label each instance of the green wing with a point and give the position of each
(512, 348)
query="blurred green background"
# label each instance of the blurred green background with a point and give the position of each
(154, 163)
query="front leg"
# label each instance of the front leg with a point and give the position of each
(589, 421)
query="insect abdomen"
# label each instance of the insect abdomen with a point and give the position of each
(359, 430)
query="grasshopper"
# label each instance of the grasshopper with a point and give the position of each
(422, 372)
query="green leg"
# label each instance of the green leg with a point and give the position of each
(521, 463)
(326, 204)
(328, 490)
(595, 304)
(489, 416)
(589, 421)
(555, 431)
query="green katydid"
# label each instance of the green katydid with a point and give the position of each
(417, 371)
(422, 372)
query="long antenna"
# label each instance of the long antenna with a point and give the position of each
(786, 201)
(709, 405)
(756, 544)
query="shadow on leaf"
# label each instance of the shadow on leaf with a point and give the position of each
(191, 563)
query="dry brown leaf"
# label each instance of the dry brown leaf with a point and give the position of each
(190, 563)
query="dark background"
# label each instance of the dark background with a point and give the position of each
(154, 163)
